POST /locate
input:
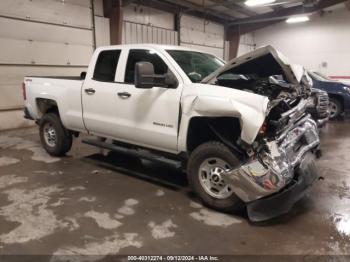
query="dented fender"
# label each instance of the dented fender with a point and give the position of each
(216, 101)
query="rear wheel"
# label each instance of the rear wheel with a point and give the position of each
(205, 167)
(335, 108)
(55, 138)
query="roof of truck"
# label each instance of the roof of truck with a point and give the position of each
(153, 46)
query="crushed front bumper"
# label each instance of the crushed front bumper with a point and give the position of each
(281, 202)
(280, 175)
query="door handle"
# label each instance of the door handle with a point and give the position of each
(124, 94)
(90, 91)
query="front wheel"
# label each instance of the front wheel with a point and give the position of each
(335, 108)
(205, 167)
(55, 138)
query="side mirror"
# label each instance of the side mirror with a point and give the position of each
(146, 78)
(82, 75)
(144, 75)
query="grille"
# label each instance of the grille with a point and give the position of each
(322, 103)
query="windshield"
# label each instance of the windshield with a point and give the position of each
(196, 65)
(320, 77)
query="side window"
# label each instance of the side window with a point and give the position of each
(140, 55)
(106, 65)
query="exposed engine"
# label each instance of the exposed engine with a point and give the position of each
(285, 98)
(273, 87)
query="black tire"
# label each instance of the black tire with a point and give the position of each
(335, 108)
(63, 141)
(203, 152)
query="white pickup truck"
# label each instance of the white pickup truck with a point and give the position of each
(239, 129)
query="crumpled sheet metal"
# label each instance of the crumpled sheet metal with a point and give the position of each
(251, 113)
(255, 179)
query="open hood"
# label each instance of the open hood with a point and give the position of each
(264, 61)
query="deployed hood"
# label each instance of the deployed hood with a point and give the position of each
(264, 61)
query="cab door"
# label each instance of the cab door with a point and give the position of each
(148, 117)
(99, 95)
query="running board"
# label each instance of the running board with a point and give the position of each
(133, 152)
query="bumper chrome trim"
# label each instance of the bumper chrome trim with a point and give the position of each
(262, 177)
(280, 203)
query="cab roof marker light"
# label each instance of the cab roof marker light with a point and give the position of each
(297, 19)
(253, 3)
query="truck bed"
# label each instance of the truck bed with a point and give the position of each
(65, 91)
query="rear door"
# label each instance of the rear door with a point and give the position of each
(99, 95)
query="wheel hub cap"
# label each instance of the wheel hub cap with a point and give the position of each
(211, 179)
(50, 135)
(333, 109)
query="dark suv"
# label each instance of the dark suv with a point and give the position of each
(338, 92)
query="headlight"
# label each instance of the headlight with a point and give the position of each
(347, 89)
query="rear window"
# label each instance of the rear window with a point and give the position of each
(106, 65)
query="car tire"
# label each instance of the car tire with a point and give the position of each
(335, 108)
(54, 137)
(197, 171)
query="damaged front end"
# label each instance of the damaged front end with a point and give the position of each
(280, 163)
(284, 164)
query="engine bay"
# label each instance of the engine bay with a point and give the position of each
(274, 86)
